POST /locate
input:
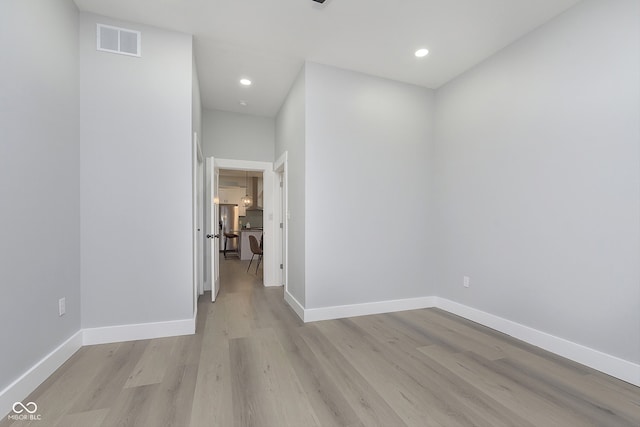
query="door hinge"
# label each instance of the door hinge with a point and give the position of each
(281, 184)
(280, 225)
(281, 266)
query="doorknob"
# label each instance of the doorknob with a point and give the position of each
(211, 236)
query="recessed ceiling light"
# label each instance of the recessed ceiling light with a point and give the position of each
(245, 82)
(421, 53)
(244, 103)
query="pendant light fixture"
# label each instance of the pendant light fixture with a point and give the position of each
(246, 200)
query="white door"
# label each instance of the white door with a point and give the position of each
(198, 245)
(200, 221)
(214, 231)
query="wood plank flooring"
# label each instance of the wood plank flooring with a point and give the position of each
(252, 362)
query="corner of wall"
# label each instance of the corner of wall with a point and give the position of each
(38, 373)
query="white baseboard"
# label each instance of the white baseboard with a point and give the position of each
(272, 285)
(30, 380)
(353, 310)
(139, 331)
(294, 304)
(611, 365)
(36, 375)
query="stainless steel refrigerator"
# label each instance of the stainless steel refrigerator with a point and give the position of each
(229, 223)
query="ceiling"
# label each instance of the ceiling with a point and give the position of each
(268, 41)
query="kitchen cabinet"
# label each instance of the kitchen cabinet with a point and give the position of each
(233, 195)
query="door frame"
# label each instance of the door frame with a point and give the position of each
(282, 217)
(269, 224)
(211, 248)
(197, 219)
(215, 230)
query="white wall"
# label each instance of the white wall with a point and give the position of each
(537, 177)
(290, 137)
(196, 103)
(238, 136)
(367, 157)
(39, 185)
(136, 181)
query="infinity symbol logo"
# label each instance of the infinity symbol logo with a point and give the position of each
(19, 407)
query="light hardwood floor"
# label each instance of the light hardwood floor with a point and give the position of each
(252, 362)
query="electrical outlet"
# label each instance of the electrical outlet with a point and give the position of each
(62, 306)
(466, 281)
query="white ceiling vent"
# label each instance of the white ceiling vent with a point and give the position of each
(118, 40)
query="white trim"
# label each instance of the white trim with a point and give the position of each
(214, 221)
(138, 331)
(207, 270)
(194, 221)
(353, 310)
(250, 165)
(611, 365)
(295, 305)
(281, 166)
(281, 162)
(603, 362)
(273, 284)
(38, 373)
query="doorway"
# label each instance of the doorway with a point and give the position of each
(240, 203)
(214, 166)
